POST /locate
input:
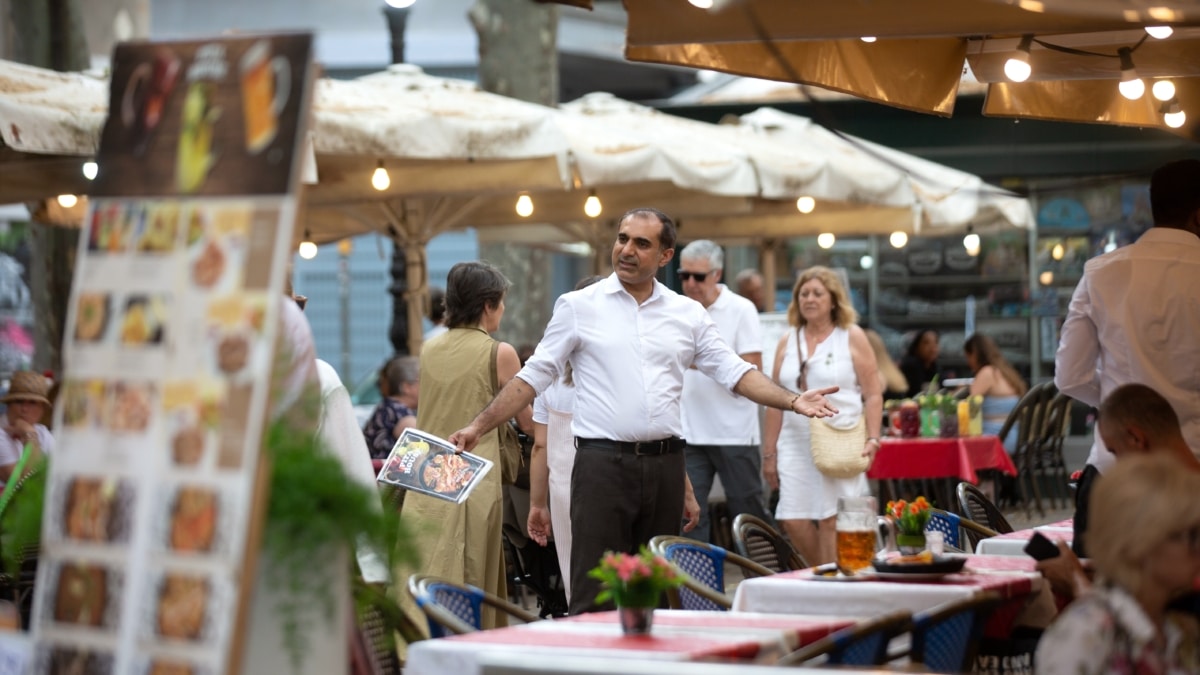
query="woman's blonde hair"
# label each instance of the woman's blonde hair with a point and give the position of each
(843, 313)
(893, 379)
(1136, 506)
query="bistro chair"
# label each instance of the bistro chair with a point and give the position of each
(863, 644)
(976, 506)
(1026, 421)
(946, 638)
(703, 566)
(949, 524)
(454, 609)
(758, 541)
(1046, 465)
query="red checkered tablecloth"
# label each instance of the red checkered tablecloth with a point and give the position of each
(961, 458)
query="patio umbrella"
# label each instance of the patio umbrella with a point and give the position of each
(919, 47)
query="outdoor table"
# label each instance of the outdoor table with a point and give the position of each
(1011, 577)
(1013, 543)
(677, 635)
(933, 466)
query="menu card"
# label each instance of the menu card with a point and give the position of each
(424, 463)
(168, 350)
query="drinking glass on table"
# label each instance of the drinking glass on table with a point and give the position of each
(856, 534)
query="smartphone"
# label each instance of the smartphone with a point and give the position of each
(1041, 548)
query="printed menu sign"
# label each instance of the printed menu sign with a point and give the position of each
(168, 351)
(427, 464)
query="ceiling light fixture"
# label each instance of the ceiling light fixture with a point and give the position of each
(307, 248)
(866, 262)
(524, 205)
(67, 201)
(868, 38)
(1058, 251)
(971, 242)
(1159, 32)
(806, 204)
(592, 208)
(702, 4)
(826, 240)
(1173, 114)
(898, 239)
(1017, 67)
(1163, 90)
(90, 170)
(380, 180)
(1131, 85)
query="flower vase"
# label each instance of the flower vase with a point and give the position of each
(910, 544)
(636, 620)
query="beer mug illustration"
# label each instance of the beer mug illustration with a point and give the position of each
(266, 81)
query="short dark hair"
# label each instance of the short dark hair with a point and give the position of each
(1140, 405)
(399, 370)
(666, 237)
(472, 287)
(916, 340)
(437, 304)
(1175, 192)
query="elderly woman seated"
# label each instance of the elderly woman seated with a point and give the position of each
(26, 402)
(1144, 538)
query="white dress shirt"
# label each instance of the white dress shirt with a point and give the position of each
(713, 415)
(1135, 318)
(629, 360)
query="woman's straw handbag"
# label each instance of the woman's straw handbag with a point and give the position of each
(838, 453)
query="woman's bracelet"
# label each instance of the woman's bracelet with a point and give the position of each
(875, 439)
(770, 456)
(792, 403)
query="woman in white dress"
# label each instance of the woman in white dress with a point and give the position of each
(825, 348)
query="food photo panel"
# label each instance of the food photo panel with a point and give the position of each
(184, 607)
(192, 409)
(83, 595)
(90, 509)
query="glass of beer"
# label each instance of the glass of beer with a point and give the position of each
(856, 535)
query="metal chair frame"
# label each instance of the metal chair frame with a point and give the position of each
(981, 518)
(696, 594)
(756, 540)
(463, 616)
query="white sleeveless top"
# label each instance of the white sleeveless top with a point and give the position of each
(829, 365)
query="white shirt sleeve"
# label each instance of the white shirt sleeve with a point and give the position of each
(550, 357)
(540, 414)
(1077, 358)
(749, 334)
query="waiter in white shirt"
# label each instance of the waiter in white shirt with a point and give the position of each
(1135, 317)
(629, 340)
(720, 427)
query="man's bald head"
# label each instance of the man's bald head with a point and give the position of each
(1136, 419)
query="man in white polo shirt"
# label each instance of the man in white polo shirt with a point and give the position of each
(720, 427)
(629, 340)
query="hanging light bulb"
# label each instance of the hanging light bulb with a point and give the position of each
(67, 201)
(307, 248)
(1160, 32)
(1046, 278)
(826, 240)
(806, 204)
(1111, 244)
(90, 170)
(592, 207)
(1163, 90)
(380, 180)
(1017, 67)
(1173, 115)
(866, 262)
(702, 4)
(524, 205)
(898, 239)
(868, 38)
(971, 242)
(1131, 85)
(1058, 252)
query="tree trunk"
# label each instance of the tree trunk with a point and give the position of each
(518, 57)
(48, 34)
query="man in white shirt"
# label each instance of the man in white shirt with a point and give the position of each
(720, 427)
(1135, 316)
(629, 340)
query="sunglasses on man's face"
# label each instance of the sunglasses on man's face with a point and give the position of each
(698, 276)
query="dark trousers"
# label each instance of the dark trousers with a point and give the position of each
(619, 501)
(740, 469)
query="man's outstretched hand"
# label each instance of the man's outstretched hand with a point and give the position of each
(464, 439)
(812, 403)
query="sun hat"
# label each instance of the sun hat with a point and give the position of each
(27, 385)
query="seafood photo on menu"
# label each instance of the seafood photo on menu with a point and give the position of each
(182, 602)
(93, 510)
(425, 463)
(193, 519)
(81, 594)
(130, 406)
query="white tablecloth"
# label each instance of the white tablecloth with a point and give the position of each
(1013, 543)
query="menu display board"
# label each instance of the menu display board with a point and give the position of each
(168, 353)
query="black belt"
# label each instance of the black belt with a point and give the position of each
(664, 446)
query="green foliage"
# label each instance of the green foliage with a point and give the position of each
(635, 580)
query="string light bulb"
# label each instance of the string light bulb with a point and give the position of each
(868, 38)
(806, 204)
(380, 180)
(898, 239)
(971, 243)
(1058, 251)
(1046, 278)
(90, 170)
(67, 201)
(1163, 90)
(592, 207)
(307, 248)
(1173, 114)
(524, 205)
(1017, 67)
(1159, 32)
(702, 4)
(1131, 85)
(826, 240)
(866, 262)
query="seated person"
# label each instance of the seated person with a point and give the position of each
(997, 382)
(919, 364)
(1134, 420)
(397, 410)
(1144, 537)
(26, 400)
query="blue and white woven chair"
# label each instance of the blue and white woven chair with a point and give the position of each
(945, 638)
(454, 609)
(949, 524)
(704, 567)
(863, 644)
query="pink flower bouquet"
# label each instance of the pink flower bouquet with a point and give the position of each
(631, 580)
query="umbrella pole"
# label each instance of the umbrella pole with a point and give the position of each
(417, 295)
(766, 256)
